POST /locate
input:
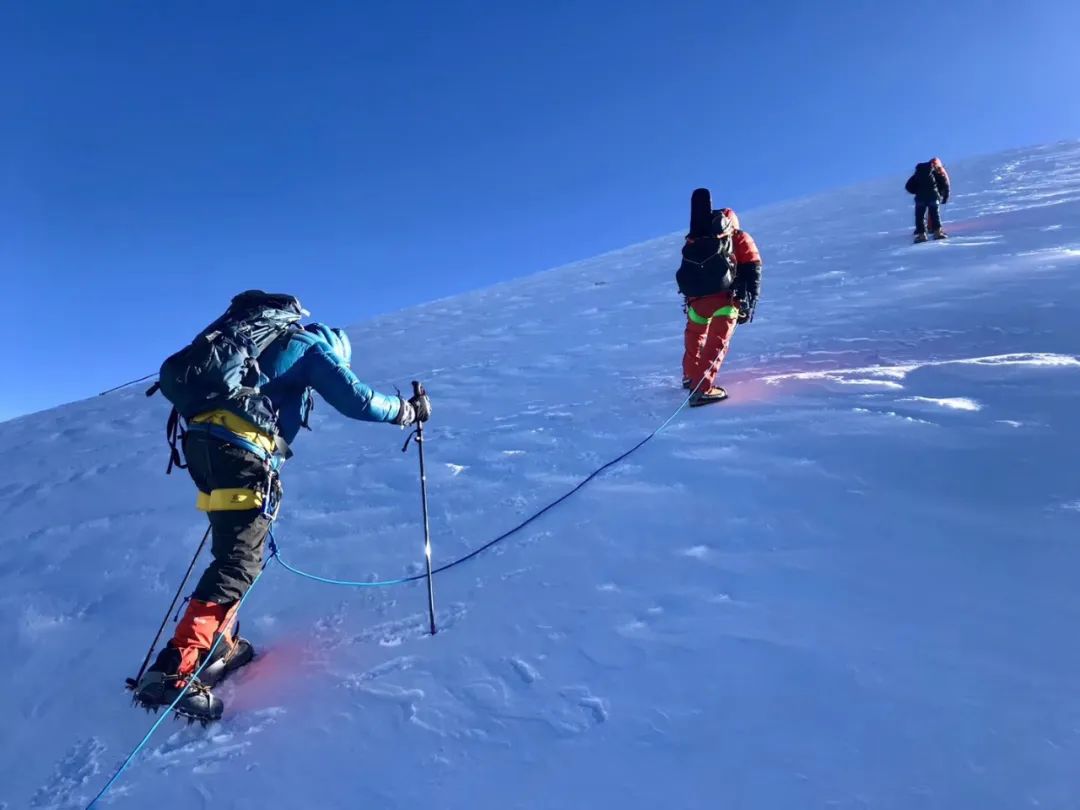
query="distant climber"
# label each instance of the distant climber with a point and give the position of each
(930, 185)
(244, 389)
(720, 279)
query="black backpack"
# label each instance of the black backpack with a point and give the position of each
(708, 262)
(922, 180)
(220, 368)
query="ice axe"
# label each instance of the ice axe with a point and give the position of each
(418, 437)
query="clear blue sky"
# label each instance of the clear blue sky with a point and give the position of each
(155, 158)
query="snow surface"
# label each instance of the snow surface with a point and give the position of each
(853, 585)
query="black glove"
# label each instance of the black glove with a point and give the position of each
(944, 200)
(416, 408)
(421, 406)
(747, 302)
(746, 289)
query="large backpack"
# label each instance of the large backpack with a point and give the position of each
(220, 368)
(922, 180)
(708, 261)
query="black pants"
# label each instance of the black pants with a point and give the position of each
(921, 210)
(237, 535)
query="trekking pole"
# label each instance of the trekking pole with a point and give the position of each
(132, 683)
(418, 391)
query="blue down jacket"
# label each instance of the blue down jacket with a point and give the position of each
(304, 360)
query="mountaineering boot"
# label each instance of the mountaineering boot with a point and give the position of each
(940, 234)
(204, 625)
(227, 658)
(162, 683)
(714, 394)
(920, 237)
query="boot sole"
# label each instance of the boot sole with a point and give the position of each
(198, 718)
(697, 403)
(179, 711)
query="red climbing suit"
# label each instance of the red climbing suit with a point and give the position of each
(711, 319)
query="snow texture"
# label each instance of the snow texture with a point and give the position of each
(853, 585)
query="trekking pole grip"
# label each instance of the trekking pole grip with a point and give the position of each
(417, 388)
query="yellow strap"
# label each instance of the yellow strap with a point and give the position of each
(229, 499)
(238, 425)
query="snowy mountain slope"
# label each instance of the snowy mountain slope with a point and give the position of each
(852, 585)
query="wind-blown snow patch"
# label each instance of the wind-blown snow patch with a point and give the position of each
(893, 415)
(1034, 359)
(1052, 252)
(888, 375)
(956, 403)
(696, 552)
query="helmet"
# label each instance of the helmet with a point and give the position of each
(336, 339)
(725, 221)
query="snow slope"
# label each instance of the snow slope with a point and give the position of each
(851, 586)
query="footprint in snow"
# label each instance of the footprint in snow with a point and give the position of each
(395, 632)
(524, 670)
(80, 764)
(594, 709)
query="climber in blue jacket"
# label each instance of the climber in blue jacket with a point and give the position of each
(234, 466)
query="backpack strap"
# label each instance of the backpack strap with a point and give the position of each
(174, 434)
(307, 406)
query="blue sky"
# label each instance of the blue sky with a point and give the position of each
(157, 158)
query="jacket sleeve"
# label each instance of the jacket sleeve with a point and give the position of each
(941, 178)
(344, 391)
(747, 264)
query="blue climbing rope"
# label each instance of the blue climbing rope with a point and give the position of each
(275, 552)
(135, 751)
